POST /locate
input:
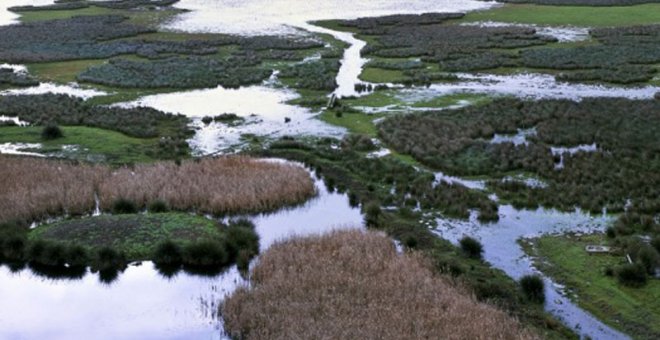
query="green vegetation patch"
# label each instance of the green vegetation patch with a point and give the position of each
(136, 235)
(91, 144)
(632, 310)
(138, 122)
(624, 163)
(570, 15)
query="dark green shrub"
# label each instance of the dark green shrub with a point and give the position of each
(207, 120)
(241, 239)
(471, 247)
(410, 242)
(533, 288)
(51, 131)
(649, 258)
(13, 247)
(372, 214)
(109, 259)
(655, 242)
(243, 260)
(77, 256)
(242, 222)
(609, 271)
(610, 232)
(36, 250)
(168, 253)
(158, 206)
(631, 275)
(205, 254)
(124, 206)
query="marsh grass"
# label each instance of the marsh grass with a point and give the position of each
(35, 189)
(353, 285)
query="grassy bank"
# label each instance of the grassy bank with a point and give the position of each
(353, 285)
(135, 235)
(570, 15)
(632, 310)
(217, 186)
(92, 143)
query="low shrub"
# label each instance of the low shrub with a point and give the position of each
(77, 256)
(205, 254)
(649, 258)
(123, 206)
(631, 275)
(471, 247)
(158, 206)
(241, 239)
(51, 132)
(372, 214)
(533, 288)
(168, 253)
(108, 259)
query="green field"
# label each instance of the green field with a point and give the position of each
(570, 15)
(635, 311)
(93, 143)
(136, 235)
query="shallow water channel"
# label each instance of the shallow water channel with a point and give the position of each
(501, 249)
(143, 304)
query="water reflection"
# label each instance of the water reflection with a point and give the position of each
(264, 110)
(147, 301)
(255, 17)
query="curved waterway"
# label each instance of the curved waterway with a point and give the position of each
(501, 249)
(141, 303)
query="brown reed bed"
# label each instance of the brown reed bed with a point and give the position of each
(34, 189)
(353, 285)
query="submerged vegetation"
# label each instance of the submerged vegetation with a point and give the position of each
(218, 186)
(359, 287)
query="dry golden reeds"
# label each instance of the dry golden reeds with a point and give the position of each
(353, 285)
(33, 189)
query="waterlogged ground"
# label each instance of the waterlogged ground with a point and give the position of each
(264, 111)
(501, 249)
(141, 303)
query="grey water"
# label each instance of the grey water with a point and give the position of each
(143, 304)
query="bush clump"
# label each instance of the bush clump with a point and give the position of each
(241, 239)
(168, 253)
(51, 132)
(533, 288)
(631, 275)
(205, 254)
(108, 259)
(124, 206)
(471, 247)
(158, 206)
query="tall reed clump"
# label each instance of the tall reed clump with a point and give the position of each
(35, 189)
(353, 285)
(218, 186)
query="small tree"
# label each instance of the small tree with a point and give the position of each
(471, 247)
(51, 131)
(533, 288)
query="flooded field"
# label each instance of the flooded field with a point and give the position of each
(141, 302)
